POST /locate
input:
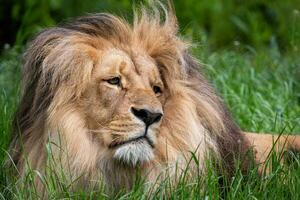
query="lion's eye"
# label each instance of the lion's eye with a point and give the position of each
(157, 90)
(114, 81)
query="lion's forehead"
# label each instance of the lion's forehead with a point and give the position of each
(137, 67)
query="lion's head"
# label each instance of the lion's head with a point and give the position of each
(114, 96)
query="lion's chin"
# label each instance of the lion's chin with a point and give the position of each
(134, 153)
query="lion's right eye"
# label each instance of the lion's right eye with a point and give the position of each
(114, 81)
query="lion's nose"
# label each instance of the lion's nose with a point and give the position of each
(146, 116)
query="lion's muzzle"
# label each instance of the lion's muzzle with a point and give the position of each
(138, 149)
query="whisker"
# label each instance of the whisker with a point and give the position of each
(119, 130)
(123, 125)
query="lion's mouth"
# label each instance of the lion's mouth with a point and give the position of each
(133, 140)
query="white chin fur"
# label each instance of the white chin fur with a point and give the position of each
(134, 153)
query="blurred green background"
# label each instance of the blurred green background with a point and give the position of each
(250, 24)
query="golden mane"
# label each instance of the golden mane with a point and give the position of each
(58, 67)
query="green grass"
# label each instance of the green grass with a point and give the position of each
(262, 91)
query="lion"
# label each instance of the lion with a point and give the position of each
(108, 96)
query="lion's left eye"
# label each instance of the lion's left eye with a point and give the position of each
(157, 90)
(114, 81)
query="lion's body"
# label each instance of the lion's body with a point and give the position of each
(264, 144)
(72, 101)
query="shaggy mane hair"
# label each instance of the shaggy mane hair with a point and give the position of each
(58, 66)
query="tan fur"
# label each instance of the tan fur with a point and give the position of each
(68, 103)
(264, 144)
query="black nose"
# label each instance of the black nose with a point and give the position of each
(146, 116)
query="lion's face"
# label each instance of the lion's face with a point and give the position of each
(123, 104)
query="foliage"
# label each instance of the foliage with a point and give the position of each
(213, 23)
(256, 23)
